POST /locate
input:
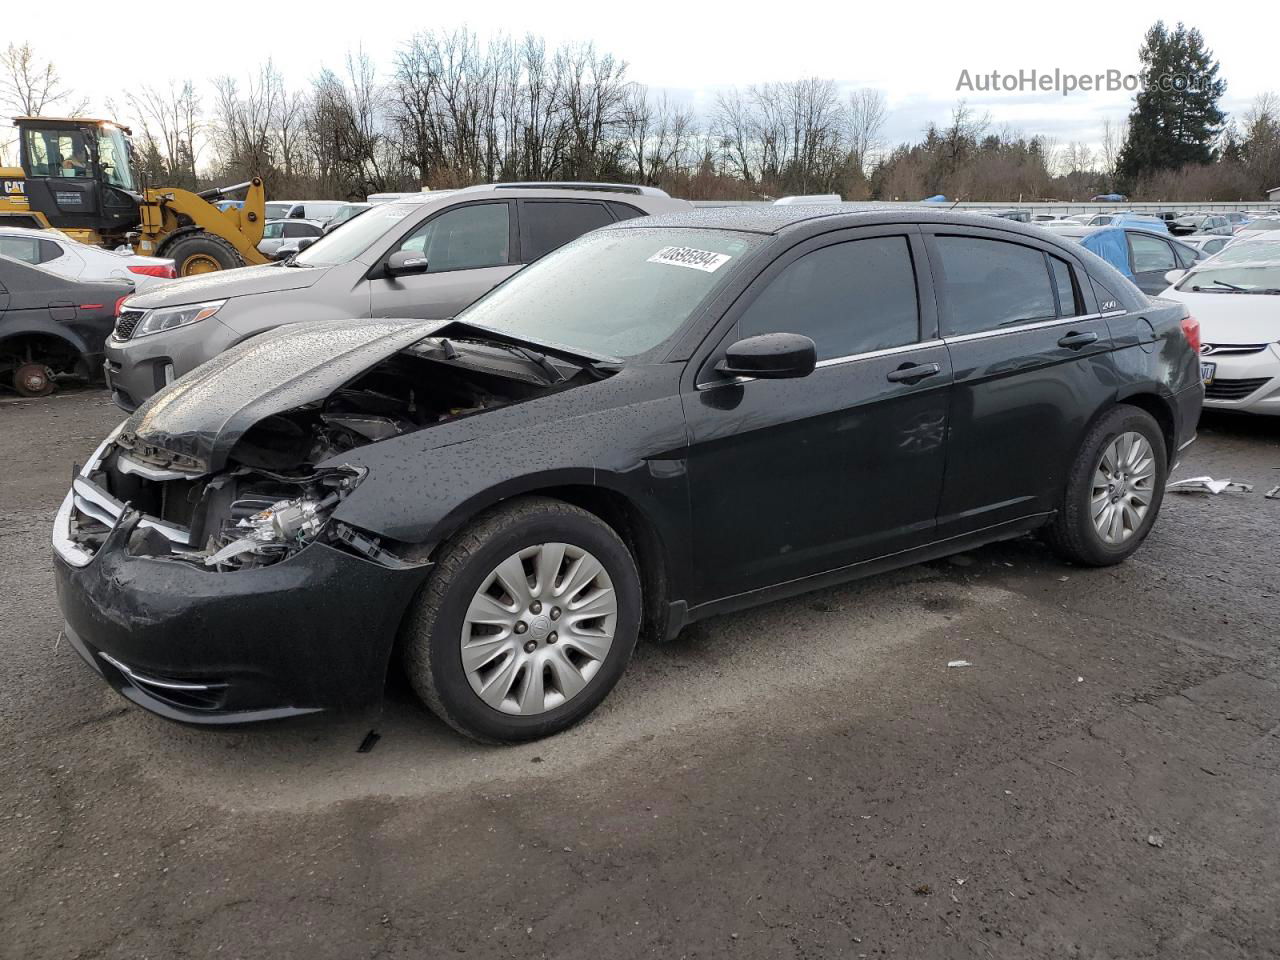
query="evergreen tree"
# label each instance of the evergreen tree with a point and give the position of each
(1175, 118)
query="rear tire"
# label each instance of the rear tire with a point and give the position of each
(536, 663)
(1121, 465)
(201, 252)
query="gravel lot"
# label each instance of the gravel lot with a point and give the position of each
(805, 780)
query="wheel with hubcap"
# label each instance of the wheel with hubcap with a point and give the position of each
(1114, 490)
(527, 622)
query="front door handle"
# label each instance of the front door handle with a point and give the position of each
(1077, 340)
(913, 372)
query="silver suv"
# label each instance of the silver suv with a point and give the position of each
(424, 256)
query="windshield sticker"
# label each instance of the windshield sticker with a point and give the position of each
(704, 260)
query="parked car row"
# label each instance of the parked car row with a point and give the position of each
(668, 414)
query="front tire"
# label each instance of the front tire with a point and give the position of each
(526, 624)
(201, 252)
(1114, 490)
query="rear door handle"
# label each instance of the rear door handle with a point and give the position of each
(913, 372)
(1077, 340)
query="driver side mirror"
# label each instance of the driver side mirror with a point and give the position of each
(305, 242)
(405, 262)
(1173, 276)
(770, 356)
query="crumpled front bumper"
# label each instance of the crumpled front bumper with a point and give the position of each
(312, 632)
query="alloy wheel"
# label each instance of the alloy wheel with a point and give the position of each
(1123, 487)
(539, 628)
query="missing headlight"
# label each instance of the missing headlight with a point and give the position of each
(258, 523)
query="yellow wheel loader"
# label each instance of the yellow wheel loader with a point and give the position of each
(78, 176)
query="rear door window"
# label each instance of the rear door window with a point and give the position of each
(547, 224)
(464, 238)
(1064, 286)
(625, 211)
(1186, 256)
(849, 298)
(1150, 254)
(990, 284)
(26, 249)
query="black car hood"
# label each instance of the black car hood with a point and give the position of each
(201, 415)
(221, 284)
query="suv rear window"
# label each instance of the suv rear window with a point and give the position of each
(625, 211)
(547, 224)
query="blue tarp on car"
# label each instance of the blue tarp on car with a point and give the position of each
(1110, 244)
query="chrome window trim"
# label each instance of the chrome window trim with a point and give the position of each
(727, 382)
(886, 352)
(1033, 325)
(937, 342)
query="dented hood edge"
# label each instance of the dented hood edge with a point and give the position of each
(202, 415)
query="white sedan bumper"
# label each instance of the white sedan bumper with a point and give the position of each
(1245, 378)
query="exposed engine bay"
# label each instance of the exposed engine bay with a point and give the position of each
(272, 499)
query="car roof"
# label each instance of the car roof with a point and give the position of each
(611, 191)
(28, 231)
(770, 219)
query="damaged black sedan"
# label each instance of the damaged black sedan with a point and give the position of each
(663, 420)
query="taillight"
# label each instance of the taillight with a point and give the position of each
(163, 272)
(1191, 330)
(120, 302)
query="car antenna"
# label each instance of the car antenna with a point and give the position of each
(959, 200)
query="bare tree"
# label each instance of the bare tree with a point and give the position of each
(29, 86)
(865, 118)
(734, 131)
(1114, 136)
(170, 125)
(658, 136)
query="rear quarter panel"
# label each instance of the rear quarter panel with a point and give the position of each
(1162, 364)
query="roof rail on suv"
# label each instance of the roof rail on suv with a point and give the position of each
(571, 185)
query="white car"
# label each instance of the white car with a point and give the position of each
(275, 232)
(1236, 298)
(1205, 243)
(57, 252)
(1254, 228)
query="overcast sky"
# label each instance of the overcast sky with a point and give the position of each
(913, 52)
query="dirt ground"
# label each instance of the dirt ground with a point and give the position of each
(804, 780)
